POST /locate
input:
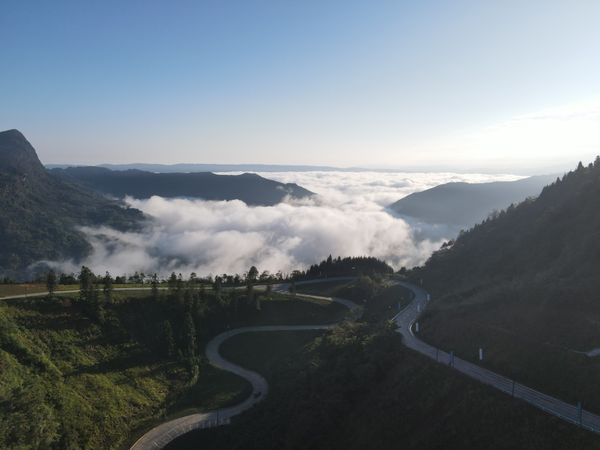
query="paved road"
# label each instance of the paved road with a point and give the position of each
(76, 291)
(163, 434)
(407, 318)
(282, 287)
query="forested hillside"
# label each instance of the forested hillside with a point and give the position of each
(359, 388)
(525, 285)
(349, 266)
(251, 188)
(39, 212)
(86, 371)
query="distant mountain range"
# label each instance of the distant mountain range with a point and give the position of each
(467, 204)
(179, 168)
(252, 189)
(185, 168)
(39, 212)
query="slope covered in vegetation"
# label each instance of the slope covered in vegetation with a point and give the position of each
(349, 266)
(39, 212)
(524, 287)
(88, 371)
(358, 387)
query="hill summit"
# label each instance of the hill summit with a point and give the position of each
(18, 156)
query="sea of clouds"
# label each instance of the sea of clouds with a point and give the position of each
(349, 217)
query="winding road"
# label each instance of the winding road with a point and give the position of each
(409, 316)
(163, 434)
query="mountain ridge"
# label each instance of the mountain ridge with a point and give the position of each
(249, 187)
(207, 167)
(468, 203)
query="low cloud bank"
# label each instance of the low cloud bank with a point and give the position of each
(348, 218)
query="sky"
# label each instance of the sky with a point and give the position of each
(342, 83)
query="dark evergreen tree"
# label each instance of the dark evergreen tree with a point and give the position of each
(107, 283)
(252, 274)
(85, 283)
(154, 284)
(217, 287)
(172, 283)
(189, 336)
(170, 349)
(51, 282)
(250, 300)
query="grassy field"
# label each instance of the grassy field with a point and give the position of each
(259, 351)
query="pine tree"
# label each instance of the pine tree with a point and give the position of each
(217, 287)
(85, 282)
(189, 336)
(107, 283)
(172, 282)
(154, 284)
(170, 347)
(51, 282)
(252, 274)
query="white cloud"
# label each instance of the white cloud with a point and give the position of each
(347, 219)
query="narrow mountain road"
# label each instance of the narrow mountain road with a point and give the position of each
(407, 318)
(76, 291)
(163, 434)
(281, 288)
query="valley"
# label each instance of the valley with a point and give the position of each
(299, 225)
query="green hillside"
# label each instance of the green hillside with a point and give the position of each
(524, 287)
(39, 213)
(92, 373)
(359, 388)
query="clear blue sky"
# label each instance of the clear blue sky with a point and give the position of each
(308, 82)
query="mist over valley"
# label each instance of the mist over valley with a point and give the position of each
(348, 216)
